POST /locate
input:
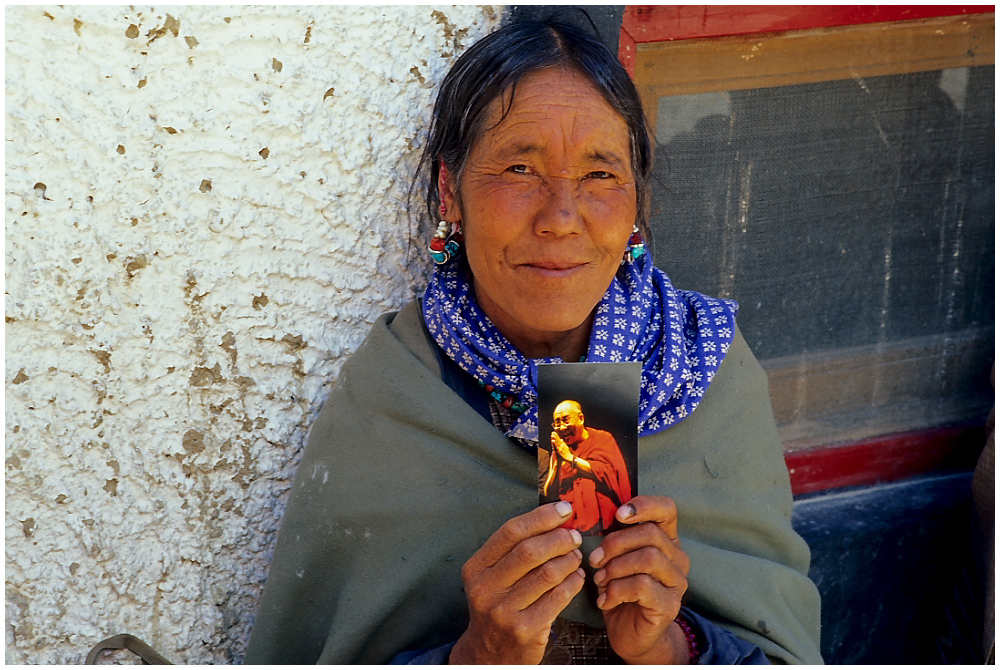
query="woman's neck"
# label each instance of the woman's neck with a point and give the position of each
(569, 345)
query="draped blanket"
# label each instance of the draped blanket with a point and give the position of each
(401, 481)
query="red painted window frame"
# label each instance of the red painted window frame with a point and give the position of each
(884, 459)
(663, 23)
(876, 460)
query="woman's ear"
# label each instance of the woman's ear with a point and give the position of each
(448, 194)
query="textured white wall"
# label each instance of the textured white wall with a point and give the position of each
(205, 208)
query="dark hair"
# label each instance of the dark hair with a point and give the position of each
(495, 64)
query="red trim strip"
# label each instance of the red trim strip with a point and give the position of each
(884, 459)
(626, 52)
(662, 23)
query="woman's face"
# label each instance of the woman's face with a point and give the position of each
(547, 203)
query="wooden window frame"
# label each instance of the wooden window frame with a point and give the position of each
(797, 56)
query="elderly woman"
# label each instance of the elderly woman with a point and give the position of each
(412, 533)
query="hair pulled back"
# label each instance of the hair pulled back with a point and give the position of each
(492, 67)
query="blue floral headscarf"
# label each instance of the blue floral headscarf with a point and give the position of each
(680, 337)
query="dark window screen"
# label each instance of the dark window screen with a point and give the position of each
(854, 222)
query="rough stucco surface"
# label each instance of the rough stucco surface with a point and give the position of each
(205, 209)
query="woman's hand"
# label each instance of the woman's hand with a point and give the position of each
(517, 584)
(642, 576)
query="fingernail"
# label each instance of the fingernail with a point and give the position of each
(578, 553)
(564, 508)
(599, 577)
(601, 599)
(596, 556)
(580, 572)
(626, 511)
(577, 538)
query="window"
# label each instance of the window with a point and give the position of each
(837, 179)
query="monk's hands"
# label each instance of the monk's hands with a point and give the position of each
(641, 578)
(561, 448)
(517, 584)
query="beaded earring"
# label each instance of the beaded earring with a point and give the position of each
(636, 247)
(446, 241)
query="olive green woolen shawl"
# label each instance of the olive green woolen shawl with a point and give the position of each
(401, 481)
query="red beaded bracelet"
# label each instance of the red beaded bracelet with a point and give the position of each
(692, 641)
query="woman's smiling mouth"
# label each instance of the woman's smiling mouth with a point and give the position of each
(553, 268)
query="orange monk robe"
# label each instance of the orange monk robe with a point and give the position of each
(595, 497)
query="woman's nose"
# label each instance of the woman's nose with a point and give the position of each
(560, 212)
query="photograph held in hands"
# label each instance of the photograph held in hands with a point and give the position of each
(588, 415)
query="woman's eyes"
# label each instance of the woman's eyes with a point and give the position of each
(595, 174)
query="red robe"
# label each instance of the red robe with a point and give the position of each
(595, 497)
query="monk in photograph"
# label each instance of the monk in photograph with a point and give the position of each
(586, 469)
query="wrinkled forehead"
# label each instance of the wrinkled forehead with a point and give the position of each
(535, 87)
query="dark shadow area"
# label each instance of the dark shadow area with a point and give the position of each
(893, 564)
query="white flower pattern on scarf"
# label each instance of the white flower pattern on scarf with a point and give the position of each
(680, 337)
